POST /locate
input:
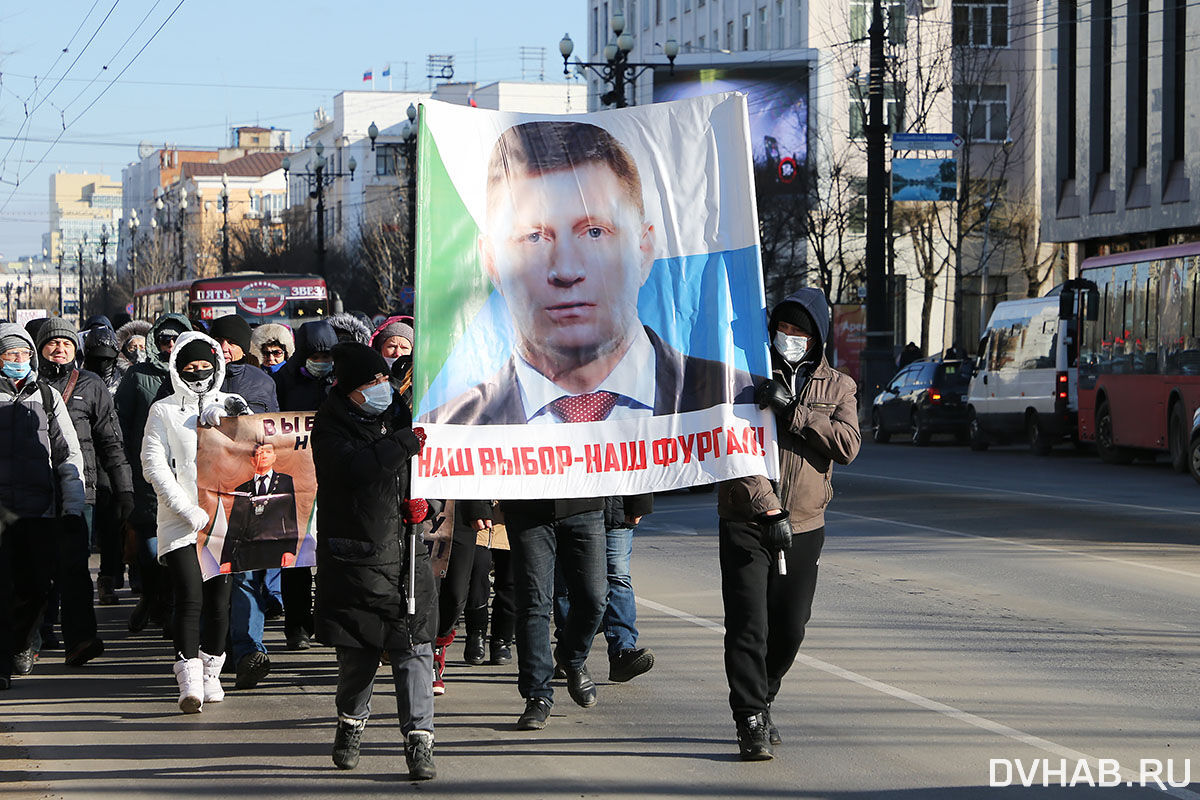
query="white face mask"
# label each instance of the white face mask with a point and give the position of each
(792, 348)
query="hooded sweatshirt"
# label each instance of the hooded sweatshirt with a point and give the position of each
(350, 328)
(823, 429)
(168, 454)
(40, 458)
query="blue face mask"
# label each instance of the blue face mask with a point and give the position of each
(19, 370)
(376, 399)
(318, 369)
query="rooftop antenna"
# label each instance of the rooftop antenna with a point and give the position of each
(533, 61)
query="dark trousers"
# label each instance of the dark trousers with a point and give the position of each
(296, 587)
(201, 619)
(577, 544)
(410, 675)
(110, 538)
(156, 583)
(74, 583)
(452, 589)
(26, 561)
(765, 612)
(503, 615)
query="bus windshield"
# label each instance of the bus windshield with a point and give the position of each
(259, 298)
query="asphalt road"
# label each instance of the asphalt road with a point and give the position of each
(978, 614)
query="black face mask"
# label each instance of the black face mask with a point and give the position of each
(197, 376)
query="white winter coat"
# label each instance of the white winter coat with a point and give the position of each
(169, 450)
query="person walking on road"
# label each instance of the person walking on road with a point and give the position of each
(771, 533)
(201, 621)
(374, 588)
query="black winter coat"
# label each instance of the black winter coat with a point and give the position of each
(362, 550)
(100, 441)
(256, 387)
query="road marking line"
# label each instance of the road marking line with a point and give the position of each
(1084, 500)
(920, 701)
(1018, 543)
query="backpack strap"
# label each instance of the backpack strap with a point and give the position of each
(70, 387)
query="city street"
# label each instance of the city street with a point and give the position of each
(972, 607)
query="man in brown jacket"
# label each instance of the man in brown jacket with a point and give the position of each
(766, 525)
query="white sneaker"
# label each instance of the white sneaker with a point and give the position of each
(189, 674)
(213, 693)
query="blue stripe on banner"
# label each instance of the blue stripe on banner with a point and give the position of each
(705, 305)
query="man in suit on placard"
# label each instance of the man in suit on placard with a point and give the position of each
(262, 533)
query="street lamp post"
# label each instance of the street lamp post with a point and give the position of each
(225, 223)
(104, 267)
(61, 304)
(317, 180)
(133, 229)
(179, 229)
(616, 70)
(79, 299)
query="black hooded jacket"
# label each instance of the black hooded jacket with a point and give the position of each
(296, 388)
(255, 386)
(362, 552)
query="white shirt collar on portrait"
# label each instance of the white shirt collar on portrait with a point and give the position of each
(632, 380)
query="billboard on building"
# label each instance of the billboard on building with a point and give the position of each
(924, 180)
(777, 99)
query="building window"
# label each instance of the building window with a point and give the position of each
(893, 107)
(895, 20)
(1102, 41)
(387, 159)
(646, 19)
(631, 15)
(762, 28)
(700, 43)
(1138, 73)
(1174, 64)
(1067, 87)
(857, 218)
(672, 9)
(657, 12)
(981, 112)
(595, 29)
(745, 31)
(687, 47)
(779, 26)
(729, 35)
(687, 6)
(981, 23)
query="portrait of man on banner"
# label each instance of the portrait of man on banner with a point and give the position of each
(262, 531)
(256, 480)
(568, 245)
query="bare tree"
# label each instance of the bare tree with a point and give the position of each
(833, 224)
(384, 257)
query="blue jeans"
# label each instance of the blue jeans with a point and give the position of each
(250, 590)
(620, 610)
(577, 544)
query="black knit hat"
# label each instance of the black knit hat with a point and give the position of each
(354, 365)
(795, 314)
(196, 350)
(100, 342)
(232, 328)
(57, 328)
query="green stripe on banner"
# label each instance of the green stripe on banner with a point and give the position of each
(450, 285)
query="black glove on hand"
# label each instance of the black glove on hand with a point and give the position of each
(777, 532)
(235, 406)
(124, 506)
(408, 440)
(774, 395)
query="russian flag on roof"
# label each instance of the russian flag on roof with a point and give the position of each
(368, 75)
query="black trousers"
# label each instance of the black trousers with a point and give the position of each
(503, 604)
(296, 586)
(201, 619)
(26, 563)
(452, 590)
(109, 537)
(74, 583)
(765, 613)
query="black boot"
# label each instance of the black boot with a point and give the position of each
(473, 650)
(753, 740)
(346, 742)
(772, 731)
(418, 753)
(501, 651)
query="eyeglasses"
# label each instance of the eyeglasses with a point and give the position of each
(16, 355)
(164, 338)
(273, 352)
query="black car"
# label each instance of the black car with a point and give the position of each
(925, 397)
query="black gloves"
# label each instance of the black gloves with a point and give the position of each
(409, 440)
(774, 395)
(235, 406)
(777, 532)
(124, 506)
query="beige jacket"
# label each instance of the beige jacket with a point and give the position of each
(823, 430)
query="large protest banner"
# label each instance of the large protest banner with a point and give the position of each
(256, 481)
(589, 303)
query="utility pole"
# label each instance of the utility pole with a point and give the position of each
(61, 306)
(878, 366)
(79, 299)
(104, 274)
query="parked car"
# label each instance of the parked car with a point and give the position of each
(926, 397)
(1193, 454)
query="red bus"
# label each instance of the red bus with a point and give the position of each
(257, 297)
(1139, 362)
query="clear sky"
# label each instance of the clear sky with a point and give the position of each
(219, 63)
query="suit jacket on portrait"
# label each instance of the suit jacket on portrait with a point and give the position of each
(260, 540)
(682, 383)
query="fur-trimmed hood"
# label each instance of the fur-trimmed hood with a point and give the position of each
(347, 324)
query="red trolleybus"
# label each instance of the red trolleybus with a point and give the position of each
(1139, 365)
(255, 296)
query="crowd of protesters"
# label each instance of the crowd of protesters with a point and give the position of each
(100, 456)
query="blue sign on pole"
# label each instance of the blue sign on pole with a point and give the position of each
(926, 141)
